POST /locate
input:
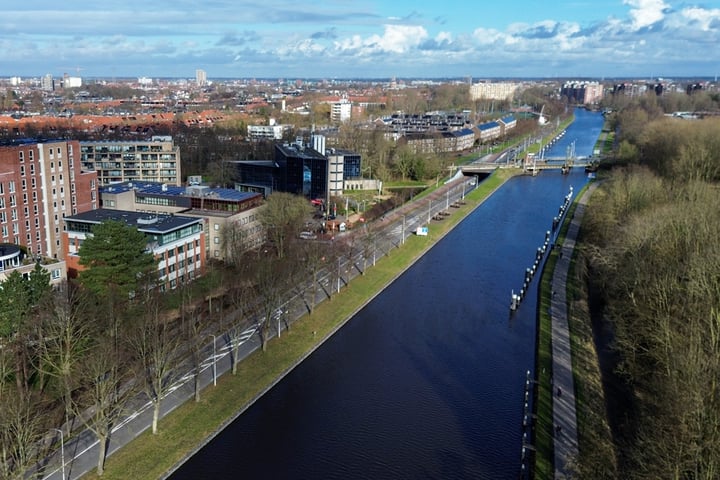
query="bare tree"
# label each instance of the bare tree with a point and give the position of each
(270, 287)
(63, 340)
(108, 387)
(193, 328)
(156, 346)
(21, 429)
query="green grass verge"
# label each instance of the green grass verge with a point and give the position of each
(544, 451)
(179, 433)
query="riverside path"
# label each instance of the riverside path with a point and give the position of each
(564, 415)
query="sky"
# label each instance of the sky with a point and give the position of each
(340, 39)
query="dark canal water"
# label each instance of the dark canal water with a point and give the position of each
(427, 381)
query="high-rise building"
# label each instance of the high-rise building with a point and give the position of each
(341, 111)
(40, 184)
(47, 83)
(200, 77)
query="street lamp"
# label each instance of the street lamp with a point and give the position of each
(62, 451)
(214, 362)
(402, 238)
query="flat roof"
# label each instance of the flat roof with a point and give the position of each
(145, 222)
(157, 189)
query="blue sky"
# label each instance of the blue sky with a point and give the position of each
(368, 39)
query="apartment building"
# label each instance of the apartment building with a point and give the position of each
(226, 212)
(493, 90)
(341, 111)
(40, 184)
(178, 242)
(583, 92)
(154, 160)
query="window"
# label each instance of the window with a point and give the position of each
(59, 153)
(216, 226)
(2, 190)
(11, 187)
(31, 154)
(5, 232)
(2, 202)
(32, 169)
(24, 184)
(216, 240)
(25, 198)
(32, 182)
(55, 274)
(22, 170)
(3, 217)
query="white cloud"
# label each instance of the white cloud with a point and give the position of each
(395, 39)
(704, 18)
(645, 13)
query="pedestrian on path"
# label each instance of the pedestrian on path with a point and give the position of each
(559, 392)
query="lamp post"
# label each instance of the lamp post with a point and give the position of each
(402, 233)
(214, 362)
(62, 451)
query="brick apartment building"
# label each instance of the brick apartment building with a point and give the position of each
(41, 182)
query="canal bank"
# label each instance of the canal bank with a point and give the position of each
(193, 424)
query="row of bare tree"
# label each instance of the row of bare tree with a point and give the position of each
(651, 239)
(80, 361)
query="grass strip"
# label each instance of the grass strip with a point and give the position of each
(179, 433)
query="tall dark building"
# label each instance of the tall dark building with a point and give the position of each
(303, 170)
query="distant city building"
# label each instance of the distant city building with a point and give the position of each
(40, 184)
(47, 83)
(178, 242)
(272, 131)
(200, 77)
(340, 111)
(582, 92)
(145, 81)
(71, 82)
(493, 90)
(220, 208)
(155, 160)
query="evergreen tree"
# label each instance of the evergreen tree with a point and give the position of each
(116, 260)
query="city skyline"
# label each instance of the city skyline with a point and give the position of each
(375, 39)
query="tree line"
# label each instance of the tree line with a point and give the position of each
(650, 241)
(78, 357)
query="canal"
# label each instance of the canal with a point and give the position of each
(426, 381)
